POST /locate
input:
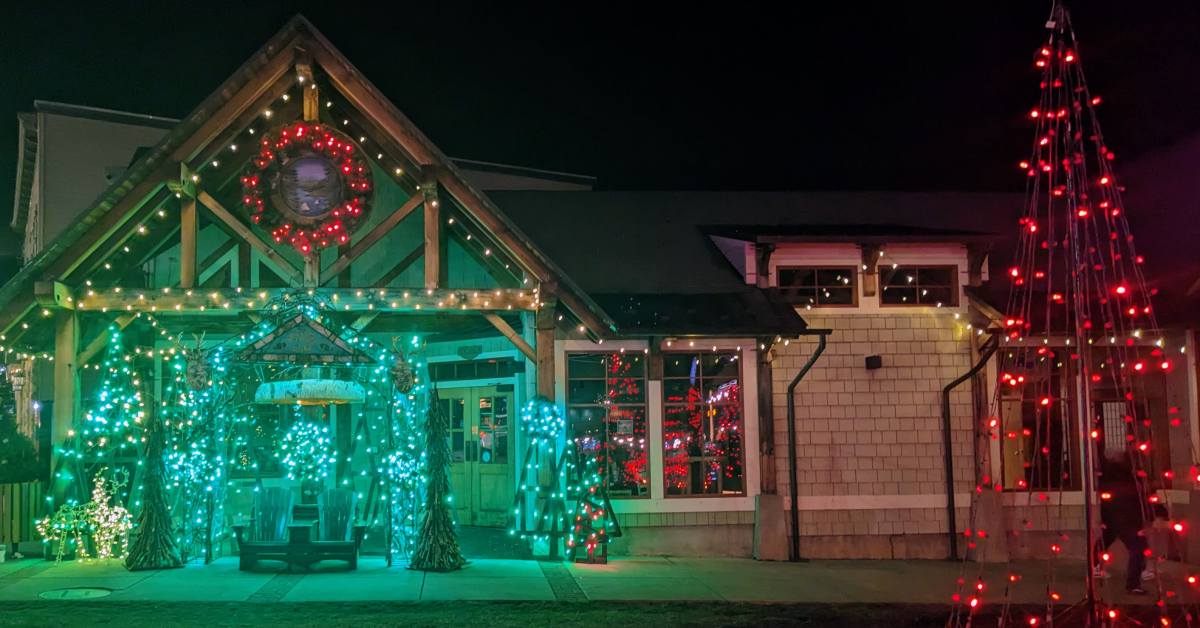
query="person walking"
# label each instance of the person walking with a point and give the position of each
(1122, 516)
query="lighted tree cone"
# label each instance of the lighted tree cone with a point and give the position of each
(437, 546)
(154, 547)
(593, 523)
(1081, 342)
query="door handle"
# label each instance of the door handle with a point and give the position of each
(472, 451)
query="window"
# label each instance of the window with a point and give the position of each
(809, 286)
(606, 416)
(919, 285)
(1039, 441)
(703, 448)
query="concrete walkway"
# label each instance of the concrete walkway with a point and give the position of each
(634, 578)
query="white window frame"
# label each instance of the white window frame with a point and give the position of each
(658, 502)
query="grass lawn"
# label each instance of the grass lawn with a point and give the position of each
(462, 614)
(482, 614)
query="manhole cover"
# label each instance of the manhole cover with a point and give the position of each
(81, 593)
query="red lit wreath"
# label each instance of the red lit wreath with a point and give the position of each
(308, 186)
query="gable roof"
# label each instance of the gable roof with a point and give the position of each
(238, 99)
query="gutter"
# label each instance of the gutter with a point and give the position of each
(987, 350)
(821, 334)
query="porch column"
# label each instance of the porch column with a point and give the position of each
(66, 380)
(544, 326)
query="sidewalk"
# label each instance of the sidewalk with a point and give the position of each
(633, 578)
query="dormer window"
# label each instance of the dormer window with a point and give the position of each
(934, 286)
(818, 286)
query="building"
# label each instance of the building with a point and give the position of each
(669, 327)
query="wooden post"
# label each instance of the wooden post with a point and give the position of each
(311, 95)
(766, 417)
(188, 225)
(243, 265)
(870, 272)
(762, 264)
(511, 334)
(434, 250)
(544, 326)
(312, 269)
(66, 380)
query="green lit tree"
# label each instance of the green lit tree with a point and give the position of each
(593, 523)
(154, 547)
(437, 542)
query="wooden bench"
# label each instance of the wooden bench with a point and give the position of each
(299, 543)
(301, 549)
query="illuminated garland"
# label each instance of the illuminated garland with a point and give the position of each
(295, 140)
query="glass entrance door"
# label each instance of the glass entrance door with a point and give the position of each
(480, 453)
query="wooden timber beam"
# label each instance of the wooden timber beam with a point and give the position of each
(117, 241)
(520, 249)
(188, 226)
(266, 99)
(311, 96)
(214, 258)
(400, 267)
(112, 221)
(435, 240)
(372, 237)
(545, 324)
(507, 331)
(97, 344)
(364, 320)
(374, 105)
(870, 269)
(245, 233)
(220, 120)
(233, 300)
(53, 295)
(66, 380)
(13, 312)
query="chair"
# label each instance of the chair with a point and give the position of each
(285, 531)
(338, 536)
(268, 532)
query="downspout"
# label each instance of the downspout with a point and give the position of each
(988, 349)
(794, 549)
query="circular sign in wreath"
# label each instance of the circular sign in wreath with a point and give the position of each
(308, 185)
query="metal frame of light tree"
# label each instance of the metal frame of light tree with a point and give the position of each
(543, 484)
(1080, 304)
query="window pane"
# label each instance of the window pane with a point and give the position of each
(586, 391)
(721, 365)
(680, 391)
(827, 277)
(626, 465)
(933, 296)
(899, 296)
(585, 365)
(796, 277)
(702, 430)
(837, 296)
(680, 365)
(931, 277)
(606, 414)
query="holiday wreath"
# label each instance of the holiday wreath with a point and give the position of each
(308, 185)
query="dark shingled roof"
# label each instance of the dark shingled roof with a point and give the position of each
(647, 257)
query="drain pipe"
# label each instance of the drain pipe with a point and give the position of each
(988, 349)
(794, 549)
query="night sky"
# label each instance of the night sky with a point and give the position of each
(903, 96)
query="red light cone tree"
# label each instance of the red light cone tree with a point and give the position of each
(1080, 343)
